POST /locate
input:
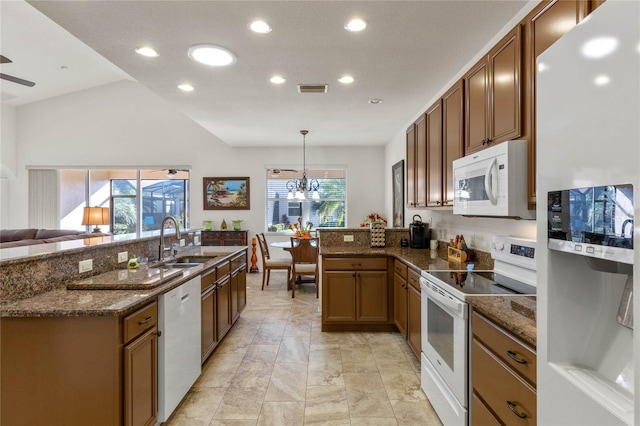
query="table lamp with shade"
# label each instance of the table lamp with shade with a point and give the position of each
(95, 216)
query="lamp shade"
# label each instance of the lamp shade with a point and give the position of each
(95, 216)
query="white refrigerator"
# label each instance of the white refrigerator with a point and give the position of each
(588, 134)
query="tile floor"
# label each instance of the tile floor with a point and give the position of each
(275, 367)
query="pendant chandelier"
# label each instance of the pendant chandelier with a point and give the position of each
(298, 187)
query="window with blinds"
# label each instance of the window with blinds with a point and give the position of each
(329, 211)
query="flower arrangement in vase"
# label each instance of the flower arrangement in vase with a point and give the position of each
(373, 217)
(301, 231)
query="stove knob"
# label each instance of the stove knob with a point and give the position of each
(500, 246)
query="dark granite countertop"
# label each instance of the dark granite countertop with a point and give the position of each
(116, 302)
(422, 259)
(515, 313)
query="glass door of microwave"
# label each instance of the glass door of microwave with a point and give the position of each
(471, 183)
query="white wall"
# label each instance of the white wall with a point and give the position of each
(8, 142)
(444, 221)
(124, 124)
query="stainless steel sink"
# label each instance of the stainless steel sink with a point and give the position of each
(195, 260)
(182, 265)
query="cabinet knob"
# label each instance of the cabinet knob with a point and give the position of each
(512, 407)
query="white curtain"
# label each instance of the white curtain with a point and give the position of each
(44, 204)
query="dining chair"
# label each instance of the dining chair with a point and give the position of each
(268, 263)
(304, 254)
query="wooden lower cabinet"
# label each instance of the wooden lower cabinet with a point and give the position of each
(223, 307)
(497, 357)
(400, 302)
(355, 291)
(208, 322)
(80, 370)
(141, 380)
(414, 327)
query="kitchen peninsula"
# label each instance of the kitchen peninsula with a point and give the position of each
(80, 349)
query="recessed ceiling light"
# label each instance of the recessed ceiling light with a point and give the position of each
(147, 51)
(375, 101)
(212, 55)
(185, 87)
(355, 25)
(346, 79)
(260, 27)
(602, 80)
(276, 79)
(599, 47)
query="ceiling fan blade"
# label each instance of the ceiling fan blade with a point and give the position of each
(17, 80)
(5, 60)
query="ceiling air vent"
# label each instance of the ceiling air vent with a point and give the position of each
(313, 88)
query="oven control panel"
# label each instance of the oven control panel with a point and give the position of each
(514, 251)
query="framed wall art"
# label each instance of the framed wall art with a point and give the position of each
(397, 176)
(226, 193)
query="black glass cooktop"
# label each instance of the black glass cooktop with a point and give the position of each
(472, 283)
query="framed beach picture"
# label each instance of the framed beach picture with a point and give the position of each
(397, 176)
(226, 193)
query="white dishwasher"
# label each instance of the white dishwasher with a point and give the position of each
(179, 346)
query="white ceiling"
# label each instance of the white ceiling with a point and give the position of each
(408, 52)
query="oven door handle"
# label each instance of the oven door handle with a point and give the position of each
(454, 306)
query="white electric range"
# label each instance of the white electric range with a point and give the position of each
(445, 321)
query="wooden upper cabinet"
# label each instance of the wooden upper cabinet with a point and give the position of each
(421, 162)
(505, 75)
(417, 163)
(544, 25)
(434, 154)
(411, 166)
(493, 95)
(452, 136)
(476, 82)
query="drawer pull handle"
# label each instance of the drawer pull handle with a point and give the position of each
(512, 407)
(144, 321)
(514, 357)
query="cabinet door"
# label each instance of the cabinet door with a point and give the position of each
(476, 82)
(434, 155)
(411, 166)
(413, 324)
(235, 285)
(421, 162)
(141, 380)
(400, 303)
(371, 296)
(505, 107)
(339, 297)
(452, 137)
(546, 24)
(223, 308)
(242, 288)
(480, 414)
(208, 323)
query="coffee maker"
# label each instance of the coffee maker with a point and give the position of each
(419, 233)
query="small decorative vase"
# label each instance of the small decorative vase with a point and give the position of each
(134, 263)
(208, 225)
(237, 225)
(223, 225)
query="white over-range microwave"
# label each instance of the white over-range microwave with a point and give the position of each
(493, 182)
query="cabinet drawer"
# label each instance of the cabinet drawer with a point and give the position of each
(355, 264)
(237, 262)
(222, 270)
(414, 279)
(513, 353)
(400, 269)
(480, 414)
(511, 398)
(207, 280)
(140, 321)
